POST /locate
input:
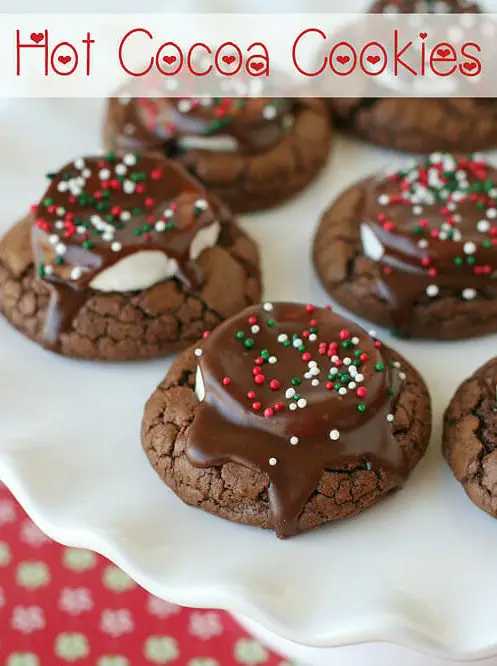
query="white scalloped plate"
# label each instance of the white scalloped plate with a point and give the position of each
(418, 570)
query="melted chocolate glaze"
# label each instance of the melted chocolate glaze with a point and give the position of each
(160, 123)
(99, 210)
(338, 421)
(436, 240)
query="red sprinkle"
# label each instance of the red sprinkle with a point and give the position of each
(309, 308)
(256, 406)
(256, 371)
(279, 406)
(306, 357)
(226, 381)
(362, 392)
(344, 334)
(259, 379)
(259, 360)
(363, 357)
(252, 321)
(251, 395)
(274, 384)
(329, 386)
(206, 334)
(156, 174)
(268, 412)
(313, 323)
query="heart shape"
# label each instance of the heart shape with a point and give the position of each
(342, 59)
(37, 37)
(64, 59)
(169, 59)
(469, 66)
(423, 35)
(443, 53)
(257, 66)
(373, 59)
(228, 59)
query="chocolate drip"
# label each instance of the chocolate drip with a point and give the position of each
(335, 421)
(161, 123)
(437, 240)
(101, 210)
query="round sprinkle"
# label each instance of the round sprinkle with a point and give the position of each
(432, 290)
(289, 393)
(76, 273)
(390, 418)
(160, 225)
(116, 247)
(272, 360)
(273, 462)
(334, 434)
(294, 440)
(129, 159)
(301, 403)
(293, 406)
(282, 337)
(268, 307)
(469, 294)
(198, 352)
(483, 226)
(469, 248)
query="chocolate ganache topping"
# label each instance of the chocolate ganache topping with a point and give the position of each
(220, 124)
(119, 224)
(294, 390)
(432, 228)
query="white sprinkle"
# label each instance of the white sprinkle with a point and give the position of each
(255, 329)
(334, 434)
(294, 440)
(351, 386)
(307, 375)
(60, 248)
(423, 243)
(76, 273)
(120, 169)
(59, 224)
(301, 403)
(269, 112)
(314, 371)
(81, 230)
(342, 391)
(184, 106)
(293, 406)
(125, 216)
(54, 239)
(297, 342)
(417, 210)
(272, 360)
(48, 269)
(334, 371)
(160, 225)
(432, 290)
(355, 340)
(402, 375)
(86, 173)
(129, 186)
(347, 361)
(312, 364)
(282, 337)
(62, 186)
(359, 378)
(268, 307)
(104, 174)
(272, 461)
(315, 382)
(60, 210)
(198, 352)
(108, 236)
(383, 199)
(289, 393)
(334, 358)
(469, 294)
(79, 163)
(129, 159)
(372, 334)
(390, 418)
(469, 248)
(312, 337)
(483, 226)
(168, 213)
(116, 247)
(491, 213)
(202, 204)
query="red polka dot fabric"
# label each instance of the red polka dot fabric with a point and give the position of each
(61, 606)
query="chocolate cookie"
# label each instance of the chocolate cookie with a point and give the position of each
(286, 417)
(125, 258)
(470, 437)
(421, 124)
(254, 153)
(416, 250)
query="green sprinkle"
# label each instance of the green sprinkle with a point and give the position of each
(170, 225)
(249, 343)
(296, 381)
(59, 260)
(287, 343)
(297, 396)
(51, 175)
(87, 244)
(48, 201)
(379, 367)
(361, 407)
(240, 335)
(486, 244)
(138, 231)
(41, 270)
(270, 322)
(147, 227)
(390, 392)
(302, 348)
(458, 261)
(111, 156)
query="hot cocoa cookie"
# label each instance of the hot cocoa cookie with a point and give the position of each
(421, 124)
(254, 153)
(125, 258)
(416, 250)
(286, 417)
(470, 437)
